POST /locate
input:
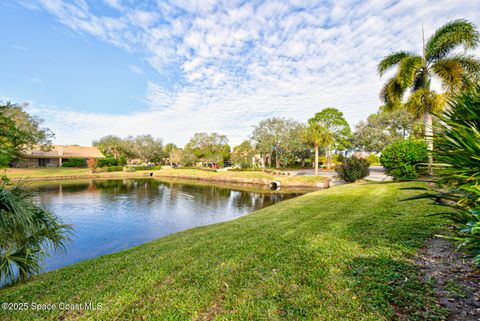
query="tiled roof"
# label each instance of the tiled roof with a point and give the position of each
(64, 151)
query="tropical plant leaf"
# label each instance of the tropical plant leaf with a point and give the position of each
(451, 35)
(392, 60)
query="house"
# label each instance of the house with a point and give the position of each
(55, 155)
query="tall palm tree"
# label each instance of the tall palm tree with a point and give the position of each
(440, 60)
(317, 136)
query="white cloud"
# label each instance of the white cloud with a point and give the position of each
(244, 62)
(135, 69)
(115, 4)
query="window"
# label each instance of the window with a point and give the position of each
(43, 162)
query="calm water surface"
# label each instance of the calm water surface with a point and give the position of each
(112, 215)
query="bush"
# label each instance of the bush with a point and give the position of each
(373, 159)
(338, 159)
(352, 169)
(75, 162)
(107, 162)
(109, 169)
(26, 230)
(457, 145)
(401, 158)
(456, 150)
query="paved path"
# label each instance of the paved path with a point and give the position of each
(377, 173)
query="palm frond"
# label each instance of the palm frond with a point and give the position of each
(392, 94)
(424, 100)
(409, 67)
(392, 60)
(27, 232)
(450, 72)
(451, 35)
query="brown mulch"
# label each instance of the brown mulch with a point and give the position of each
(454, 278)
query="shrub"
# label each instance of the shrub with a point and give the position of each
(373, 159)
(75, 162)
(109, 169)
(107, 162)
(353, 169)
(401, 158)
(92, 164)
(457, 145)
(26, 231)
(457, 149)
(339, 158)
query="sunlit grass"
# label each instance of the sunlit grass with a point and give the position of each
(338, 254)
(246, 177)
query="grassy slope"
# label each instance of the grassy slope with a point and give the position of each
(236, 177)
(342, 253)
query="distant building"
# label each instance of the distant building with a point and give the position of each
(56, 155)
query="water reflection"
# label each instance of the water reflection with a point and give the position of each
(111, 215)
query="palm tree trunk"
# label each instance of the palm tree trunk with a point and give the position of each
(316, 160)
(429, 139)
(329, 158)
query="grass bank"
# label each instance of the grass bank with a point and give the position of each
(338, 254)
(260, 178)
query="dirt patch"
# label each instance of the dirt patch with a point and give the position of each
(454, 279)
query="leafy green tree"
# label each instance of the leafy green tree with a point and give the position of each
(175, 156)
(277, 137)
(210, 148)
(19, 132)
(331, 121)
(384, 128)
(146, 147)
(27, 231)
(167, 150)
(242, 154)
(111, 145)
(295, 147)
(439, 59)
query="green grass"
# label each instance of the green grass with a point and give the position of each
(233, 177)
(255, 177)
(44, 172)
(338, 254)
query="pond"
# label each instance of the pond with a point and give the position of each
(112, 215)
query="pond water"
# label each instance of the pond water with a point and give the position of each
(112, 215)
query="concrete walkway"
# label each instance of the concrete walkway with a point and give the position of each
(377, 173)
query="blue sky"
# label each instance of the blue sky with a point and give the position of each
(173, 68)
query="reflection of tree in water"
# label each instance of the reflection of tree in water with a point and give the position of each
(153, 191)
(258, 200)
(144, 189)
(203, 195)
(61, 188)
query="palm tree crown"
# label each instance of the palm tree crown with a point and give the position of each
(455, 70)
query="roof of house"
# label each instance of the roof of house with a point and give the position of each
(64, 151)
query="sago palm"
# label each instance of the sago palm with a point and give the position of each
(27, 232)
(455, 70)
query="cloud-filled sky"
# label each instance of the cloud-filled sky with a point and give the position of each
(173, 68)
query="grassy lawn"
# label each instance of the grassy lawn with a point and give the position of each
(256, 177)
(338, 254)
(44, 172)
(234, 177)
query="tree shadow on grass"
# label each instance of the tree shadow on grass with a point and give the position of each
(393, 288)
